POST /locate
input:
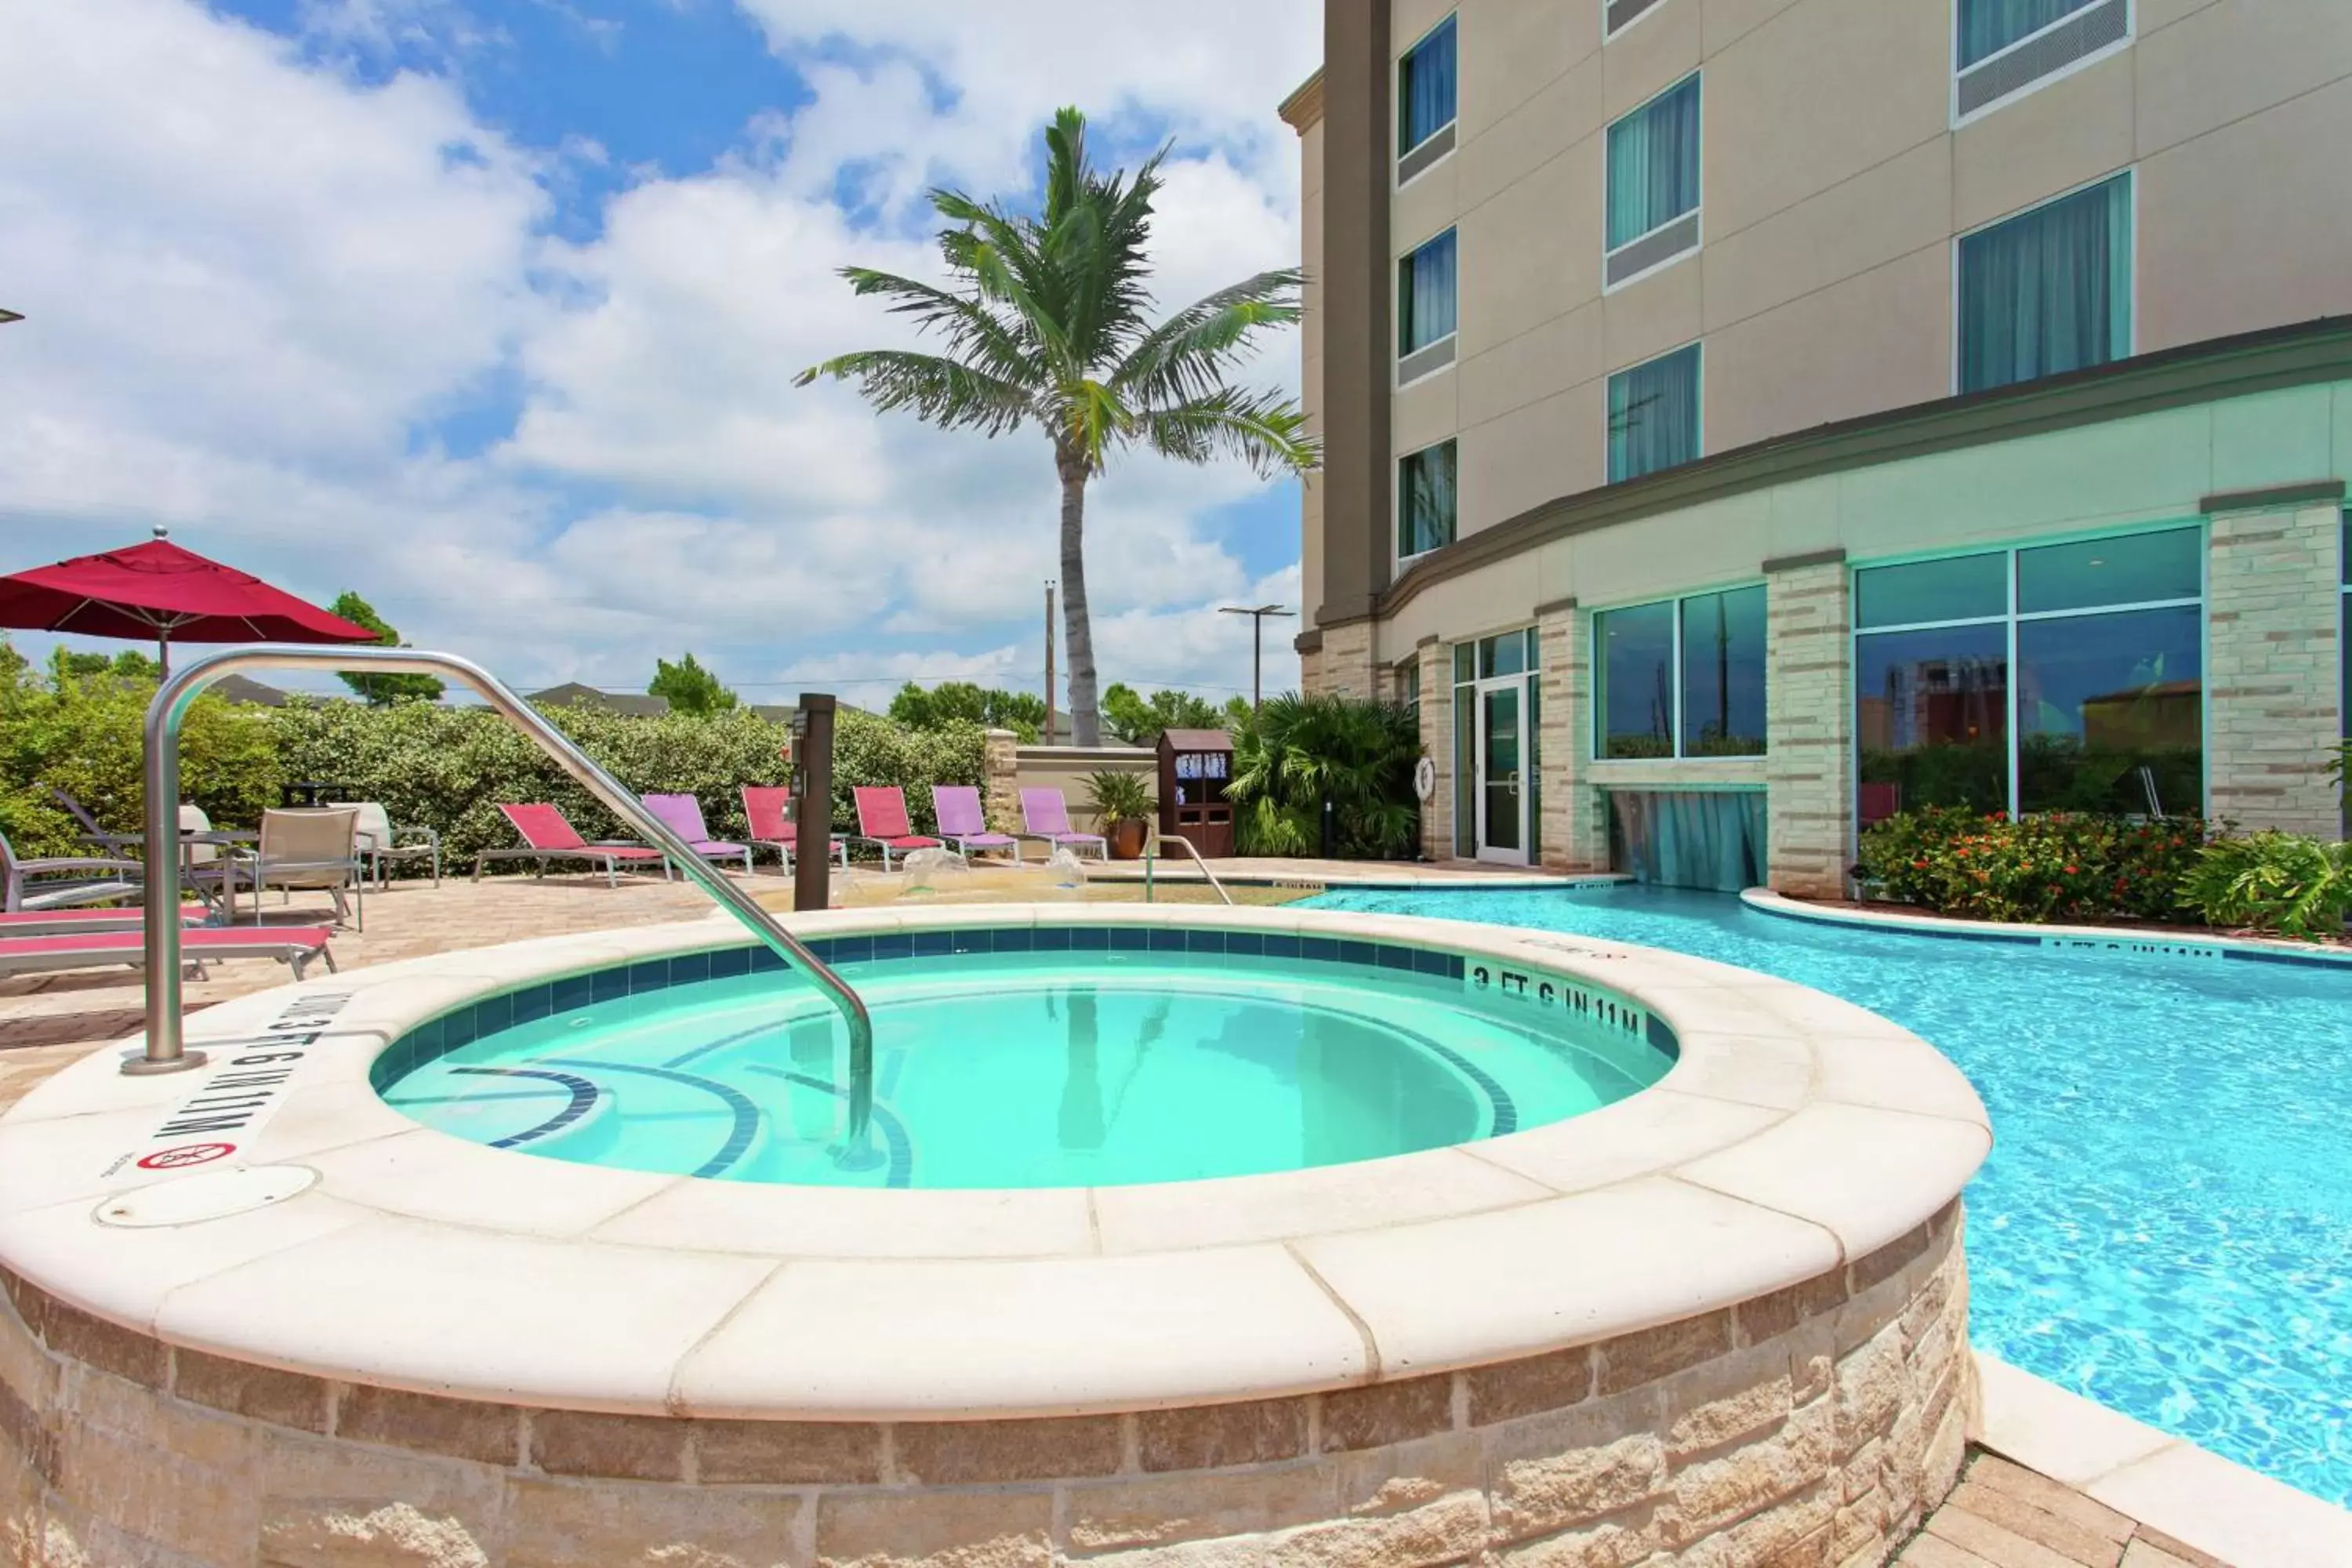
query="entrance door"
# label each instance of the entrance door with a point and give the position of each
(1502, 793)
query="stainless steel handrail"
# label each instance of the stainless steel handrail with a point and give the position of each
(1159, 838)
(165, 1052)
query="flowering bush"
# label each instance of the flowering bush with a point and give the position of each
(2058, 866)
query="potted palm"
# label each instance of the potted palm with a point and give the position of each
(1122, 808)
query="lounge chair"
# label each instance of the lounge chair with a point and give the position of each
(91, 832)
(682, 814)
(380, 842)
(86, 922)
(293, 945)
(54, 881)
(548, 836)
(964, 824)
(769, 809)
(312, 849)
(882, 822)
(1045, 815)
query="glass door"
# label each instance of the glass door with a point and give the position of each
(1502, 793)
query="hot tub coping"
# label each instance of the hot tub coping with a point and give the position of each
(1795, 1132)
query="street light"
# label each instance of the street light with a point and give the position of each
(1257, 640)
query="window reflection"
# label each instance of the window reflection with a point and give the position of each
(1723, 674)
(1636, 665)
(2100, 698)
(1931, 711)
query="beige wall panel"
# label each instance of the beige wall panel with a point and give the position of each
(2275, 439)
(1876, 81)
(2223, 253)
(1564, 351)
(1409, 19)
(1726, 22)
(1649, 57)
(1646, 318)
(1310, 343)
(2234, 58)
(1901, 207)
(1310, 548)
(2341, 446)
(1477, 604)
(2064, 135)
(1522, 262)
(1425, 208)
(1530, 456)
(2149, 16)
(2150, 470)
(1510, 50)
(1804, 518)
(1423, 412)
(1878, 341)
(1712, 546)
(1310, 161)
(1552, 125)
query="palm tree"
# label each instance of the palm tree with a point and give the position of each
(1044, 324)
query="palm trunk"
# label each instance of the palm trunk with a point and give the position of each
(1078, 639)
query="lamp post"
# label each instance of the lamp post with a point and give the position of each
(1257, 643)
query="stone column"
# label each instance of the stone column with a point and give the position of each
(1345, 667)
(1808, 724)
(1437, 745)
(1000, 785)
(2275, 611)
(1574, 833)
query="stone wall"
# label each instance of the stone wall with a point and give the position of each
(1816, 1425)
(1000, 787)
(1809, 718)
(1437, 745)
(2274, 610)
(1575, 831)
(1345, 665)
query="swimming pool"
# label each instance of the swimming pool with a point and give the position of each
(2165, 1224)
(1173, 1055)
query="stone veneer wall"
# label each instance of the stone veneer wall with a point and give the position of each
(2275, 611)
(1437, 745)
(1345, 665)
(1000, 787)
(1575, 832)
(1808, 719)
(1817, 1424)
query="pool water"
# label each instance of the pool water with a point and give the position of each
(997, 1071)
(2165, 1224)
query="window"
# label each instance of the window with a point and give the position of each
(1683, 677)
(2062, 677)
(1425, 309)
(1425, 101)
(2048, 291)
(1653, 415)
(1616, 16)
(2004, 48)
(1425, 501)
(2343, 641)
(1652, 197)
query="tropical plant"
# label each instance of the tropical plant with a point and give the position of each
(2283, 882)
(380, 688)
(1139, 720)
(2055, 865)
(1119, 795)
(1296, 752)
(689, 688)
(1043, 325)
(962, 702)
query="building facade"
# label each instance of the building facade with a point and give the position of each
(1745, 419)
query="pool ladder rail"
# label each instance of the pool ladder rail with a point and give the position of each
(1161, 839)
(166, 1051)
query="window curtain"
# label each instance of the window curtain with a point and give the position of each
(2048, 290)
(1653, 415)
(1653, 164)
(1988, 26)
(1428, 89)
(1427, 509)
(1426, 297)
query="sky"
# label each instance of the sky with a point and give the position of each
(489, 309)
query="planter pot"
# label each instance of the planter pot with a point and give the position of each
(1127, 838)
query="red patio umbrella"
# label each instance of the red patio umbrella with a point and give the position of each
(159, 590)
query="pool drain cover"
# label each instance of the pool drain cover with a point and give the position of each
(214, 1195)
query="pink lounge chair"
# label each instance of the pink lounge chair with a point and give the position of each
(882, 821)
(292, 945)
(682, 814)
(769, 809)
(87, 922)
(547, 836)
(963, 823)
(1045, 815)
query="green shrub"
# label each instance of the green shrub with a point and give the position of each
(2057, 866)
(1119, 795)
(1296, 751)
(2280, 882)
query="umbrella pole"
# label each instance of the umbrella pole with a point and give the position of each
(164, 649)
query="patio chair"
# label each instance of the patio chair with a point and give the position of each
(682, 814)
(91, 833)
(308, 849)
(54, 881)
(547, 836)
(1046, 814)
(882, 822)
(87, 923)
(292, 945)
(380, 842)
(769, 809)
(964, 824)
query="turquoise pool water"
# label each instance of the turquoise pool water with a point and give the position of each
(2165, 1224)
(999, 1069)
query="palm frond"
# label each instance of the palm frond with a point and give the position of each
(1265, 430)
(944, 392)
(1189, 354)
(973, 334)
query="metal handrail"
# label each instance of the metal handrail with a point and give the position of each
(1190, 848)
(165, 1052)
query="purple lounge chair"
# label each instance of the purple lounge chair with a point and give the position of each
(682, 814)
(1045, 815)
(963, 823)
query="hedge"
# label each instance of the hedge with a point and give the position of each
(446, 768)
